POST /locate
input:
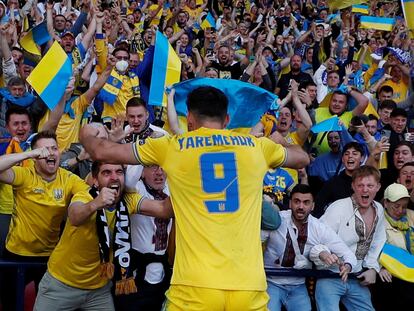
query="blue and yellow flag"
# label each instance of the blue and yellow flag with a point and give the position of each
(328, 125)
(408, 9)
(398, 262)
(34, 38)
(247, 102)
(341, 4)
(208, 22)
(371, 110)
(360, 8)
(378, 23)
(166, 70)
(51, 76)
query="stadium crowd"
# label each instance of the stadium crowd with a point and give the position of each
(131, 207)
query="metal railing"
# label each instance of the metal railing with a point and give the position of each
(23, 266)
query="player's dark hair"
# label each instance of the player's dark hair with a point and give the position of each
(208, 102)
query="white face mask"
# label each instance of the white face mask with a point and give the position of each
(121, 65)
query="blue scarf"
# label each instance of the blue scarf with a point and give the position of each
(26, 100)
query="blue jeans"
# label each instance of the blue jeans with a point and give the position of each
(352, 294)
(293, 297)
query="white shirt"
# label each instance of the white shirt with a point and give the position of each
(318, 234)
(341, 216)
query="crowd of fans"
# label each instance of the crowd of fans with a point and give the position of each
(320, 63)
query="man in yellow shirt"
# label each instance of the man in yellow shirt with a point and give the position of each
(215, 179)
(75, 278)
(338, 106)
(42, 193)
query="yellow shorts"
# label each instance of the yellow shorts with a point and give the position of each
(191, 298)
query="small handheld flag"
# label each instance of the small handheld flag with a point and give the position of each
(378, 23)
(51, 76)
(408, 10)
(398, 262)
(331, 124)
(208, 22)
(34, 38)
(360, 8)
(166, 70)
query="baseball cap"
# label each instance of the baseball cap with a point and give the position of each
(66, 33)
(395, 191)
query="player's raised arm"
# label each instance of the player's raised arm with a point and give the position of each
(296, 157)
(104, 150)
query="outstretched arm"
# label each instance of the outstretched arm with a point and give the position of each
(104, 150)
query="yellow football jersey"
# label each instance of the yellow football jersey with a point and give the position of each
(215, 179)
(75, 260)
(39, 210)
(119, 106)
(68, 129)
(322, 114)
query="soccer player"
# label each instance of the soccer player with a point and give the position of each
(215, 178)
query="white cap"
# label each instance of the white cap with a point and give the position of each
(395, 192)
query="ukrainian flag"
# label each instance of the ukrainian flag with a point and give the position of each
(360, 8)
(51, 76)
(378, 23)
(341, 4)
(209, 22)
(398, 262)
(34, 38)
(408, 9)
(247, 102)
(166, 70)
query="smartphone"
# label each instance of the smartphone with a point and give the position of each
(252, 58)
(210, 53)
(385, 134)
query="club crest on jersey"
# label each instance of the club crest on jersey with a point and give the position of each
(58, 194)
(141, 142)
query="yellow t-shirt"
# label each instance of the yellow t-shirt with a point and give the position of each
(215, 179)
(193, 13)
(400, 90)
(6, 199)
(75, 260)
(156, 19)
(321, 114)
(67, 131)
(292, 138)
(40, 207)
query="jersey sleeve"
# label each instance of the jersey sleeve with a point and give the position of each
(151, 150)
(133, 202)
(274, 154)
(76, 184)
(22, 176)
(81, 197)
